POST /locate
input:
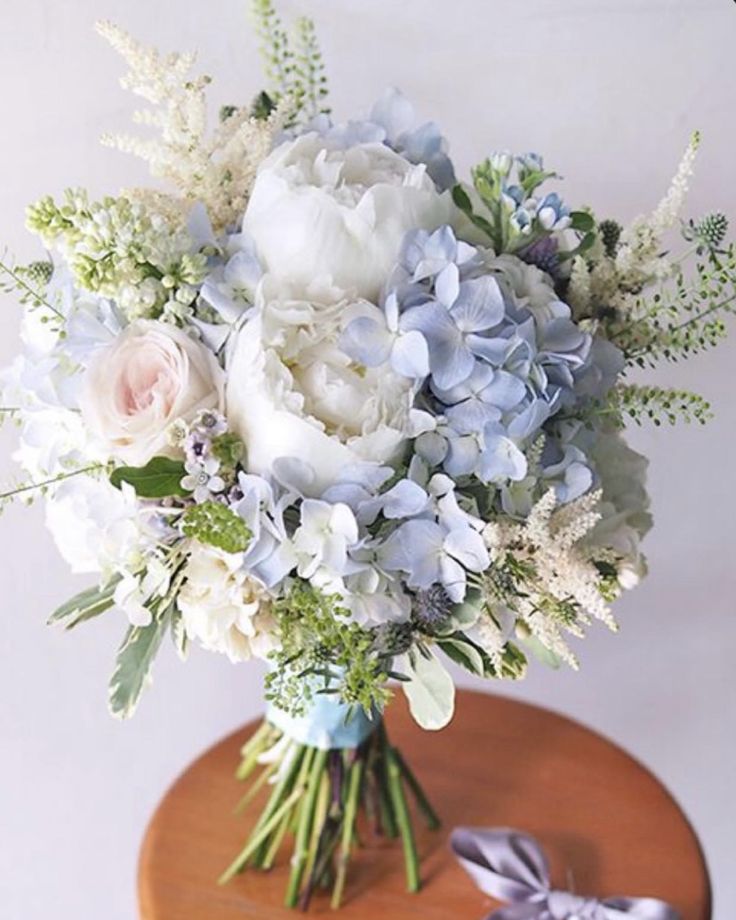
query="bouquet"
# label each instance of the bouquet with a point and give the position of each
(316, 401)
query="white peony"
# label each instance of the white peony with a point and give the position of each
(151, 375)
(293, 393)
(318, 211)
(224, 607)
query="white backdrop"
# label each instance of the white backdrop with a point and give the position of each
(609, 92)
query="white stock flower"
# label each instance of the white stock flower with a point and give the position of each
(224, 607)
(97, 527)
(151, 375)
(293, 393)
(320, 211)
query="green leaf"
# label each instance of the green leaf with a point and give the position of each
(430, 691)
(133, 664)
(159, 478)
(542, 653)
(582, 221)
(84, 606)
(179, 635)
(462, 199)
(463, 653)
(216, 525)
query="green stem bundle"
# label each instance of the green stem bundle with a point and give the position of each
(318, 797)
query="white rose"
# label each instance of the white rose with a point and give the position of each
(317, 211)
(223, 607)
(293, 393)
(151, 375)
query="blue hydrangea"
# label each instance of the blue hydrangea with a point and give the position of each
(489, 369)
(393, 122)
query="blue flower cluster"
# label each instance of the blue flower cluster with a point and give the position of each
(490, 370)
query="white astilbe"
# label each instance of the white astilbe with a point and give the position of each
(217, 167)
(639, 257)
(555, 586)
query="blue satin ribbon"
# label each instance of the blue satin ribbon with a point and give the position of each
(511, 866)
(327, 723)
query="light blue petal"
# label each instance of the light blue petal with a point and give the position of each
(366, 341)
(410, 355)
(504, 391)
(501, 459)
(462, 456)
(467, 546)
(479, 305)
(431, 447)
(405, 499)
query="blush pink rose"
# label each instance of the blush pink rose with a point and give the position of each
(150, 376)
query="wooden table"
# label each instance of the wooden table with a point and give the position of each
(599, 814)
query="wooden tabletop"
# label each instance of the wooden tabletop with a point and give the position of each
(600, 815)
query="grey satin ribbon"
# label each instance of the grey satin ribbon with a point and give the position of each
(510, 866)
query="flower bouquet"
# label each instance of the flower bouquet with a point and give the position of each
(317, 402)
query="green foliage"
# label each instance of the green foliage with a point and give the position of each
(85, 606)
(134, 661)
(216, 525)
(29, 490)
(610, 234)
(657, 405)
(684, 317)
(160, 478)
(430, 690)
(28, 283)
(293, 66)
(229, 450)
(470, 656)
(322, 650)
(709, 232)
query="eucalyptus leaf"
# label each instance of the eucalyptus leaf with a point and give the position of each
(133, 664)
(84, 606)
(430, 691)
(160, 478)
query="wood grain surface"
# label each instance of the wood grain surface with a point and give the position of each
(605, 821)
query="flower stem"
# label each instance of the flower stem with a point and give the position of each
(304, 828)
(420, 796)
(411, 858)
(355, 777)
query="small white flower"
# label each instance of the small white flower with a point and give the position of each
(202, 478)
(323, 538)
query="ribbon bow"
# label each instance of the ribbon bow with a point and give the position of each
(511, 866)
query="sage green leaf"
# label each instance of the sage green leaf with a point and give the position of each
(542, 653)
(84, 606)
(179, 635)
(463, 653)
(160, 478)
(430, 690)
(133, 664)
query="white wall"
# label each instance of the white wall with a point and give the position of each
(609, 91)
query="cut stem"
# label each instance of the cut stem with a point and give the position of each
(411, 858)
(355, 777)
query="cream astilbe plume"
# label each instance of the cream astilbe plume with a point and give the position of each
(214, 167)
